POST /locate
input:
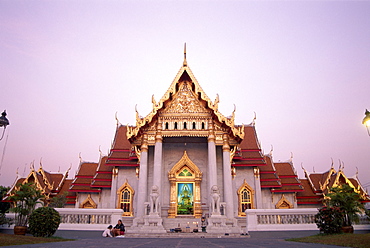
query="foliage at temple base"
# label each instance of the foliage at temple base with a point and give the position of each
(44, 222)
(329, 220)
(4, 207)
(25, 198)
(58, 201)
(342, 208)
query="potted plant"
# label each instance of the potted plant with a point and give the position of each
(348, 201)
(25, 200)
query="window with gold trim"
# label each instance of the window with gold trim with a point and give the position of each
(245, 199)
(245, 195)
(125, 200)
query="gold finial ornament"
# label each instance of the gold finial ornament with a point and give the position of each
(115, 116)
(185, 62)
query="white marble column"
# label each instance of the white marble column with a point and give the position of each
(113, 192)
(212, 165)
(228, 192)
(157, 171)
(257, 188)
(143, 178)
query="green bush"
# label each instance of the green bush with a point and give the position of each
(4, 220)
(329, 220)
(44, 222)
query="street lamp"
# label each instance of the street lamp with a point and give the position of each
(366, 120)
(3, 122)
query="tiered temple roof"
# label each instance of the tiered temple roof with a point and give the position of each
(122, 153)
(268, 175)
(50, 184)
(249, 151)
(103, 175)
(288, 178)
(84, 177)
(317, 185)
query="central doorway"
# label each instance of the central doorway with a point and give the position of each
(185, 198)
(185, 178)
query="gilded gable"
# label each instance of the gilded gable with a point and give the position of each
(185, 101)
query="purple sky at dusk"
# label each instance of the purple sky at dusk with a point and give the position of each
(66, 68)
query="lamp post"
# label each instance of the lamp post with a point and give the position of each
(366, 121)
(3, 122)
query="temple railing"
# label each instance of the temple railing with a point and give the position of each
(88, 219)
(288, 219)
(82, 218)
(256, 219)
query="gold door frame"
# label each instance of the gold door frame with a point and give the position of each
(174, 178)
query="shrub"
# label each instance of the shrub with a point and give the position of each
(44, 222)
(329, 220)
(4, 220)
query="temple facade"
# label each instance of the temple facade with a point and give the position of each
(187, 165)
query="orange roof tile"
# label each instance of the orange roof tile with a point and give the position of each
(288, 177)
(250, 140)
(268, 175)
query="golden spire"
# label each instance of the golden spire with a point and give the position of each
(185, 63)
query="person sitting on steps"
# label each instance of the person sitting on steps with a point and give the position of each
(119, 229)
(108, 232)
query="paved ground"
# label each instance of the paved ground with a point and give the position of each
(256, 240)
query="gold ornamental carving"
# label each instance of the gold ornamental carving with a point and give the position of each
(184, 101)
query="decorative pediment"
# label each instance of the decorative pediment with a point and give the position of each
(88, 203)
(185, 164)
(283, 203)
(185, 101)
(185, 96)
(342, 179)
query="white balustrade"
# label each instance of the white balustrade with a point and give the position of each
(256, 219)
(288, 219)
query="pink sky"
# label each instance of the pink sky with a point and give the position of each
(68, 66)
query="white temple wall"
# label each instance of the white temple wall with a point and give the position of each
(104, 199)
(129, 174)
(267, 199)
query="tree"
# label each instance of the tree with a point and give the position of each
(58, 201)
(348, 201)
(25, 200)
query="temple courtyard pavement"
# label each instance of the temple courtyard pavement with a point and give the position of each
(255, 239)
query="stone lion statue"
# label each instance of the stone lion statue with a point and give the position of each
(215, 199)
(154, 199)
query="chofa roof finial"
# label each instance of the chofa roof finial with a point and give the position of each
(185, 62)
